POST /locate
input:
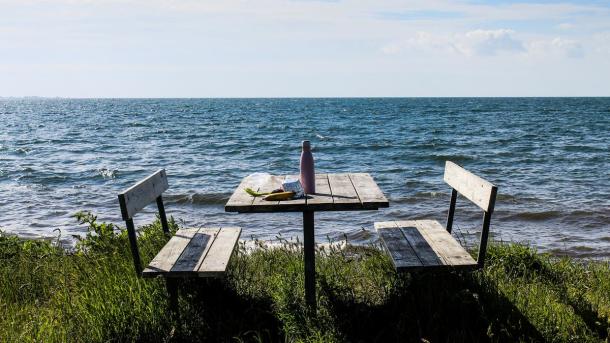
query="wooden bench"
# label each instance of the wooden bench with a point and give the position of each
(426, 244)
(203, 252)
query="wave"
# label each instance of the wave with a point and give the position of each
(458, 158)
(584, 148)
(198, 198)
(427, 195)
(579, 217)
(536, 216)
(418, 197)
(358, 237)
(23, 151)
(580, 251)
(108, 173)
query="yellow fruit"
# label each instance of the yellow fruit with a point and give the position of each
(279, 196)
(254, 193)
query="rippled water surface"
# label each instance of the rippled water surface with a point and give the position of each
(548, 156)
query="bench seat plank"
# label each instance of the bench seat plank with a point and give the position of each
(444, 244)
(422, 248)
(217, 259)
(403, 255)
(430, 242)
(201, 252)
(195, 252)
(169, 254)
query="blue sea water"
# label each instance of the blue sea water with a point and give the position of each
(550, 158)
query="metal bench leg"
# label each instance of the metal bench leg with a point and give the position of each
(310, 262)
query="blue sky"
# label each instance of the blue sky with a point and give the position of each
(272, 48)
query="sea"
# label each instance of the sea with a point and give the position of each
(549, 158)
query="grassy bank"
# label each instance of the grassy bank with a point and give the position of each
(92, 295)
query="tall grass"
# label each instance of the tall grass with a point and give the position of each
(91, 294)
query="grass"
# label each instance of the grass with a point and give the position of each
(91, 294)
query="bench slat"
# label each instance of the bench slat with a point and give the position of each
(403, 255)
(195, 252)
(474, 188)
(429, 241)
(420, 245)
(215, 262)
(444, 244)
(169, 254)
(142, 193)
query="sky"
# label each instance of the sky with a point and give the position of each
(273, 48)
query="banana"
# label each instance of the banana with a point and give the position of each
(279, 196)
(254, 193)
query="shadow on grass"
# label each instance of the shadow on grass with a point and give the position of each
(435, 307)
(211, 311)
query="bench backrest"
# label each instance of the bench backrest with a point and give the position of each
(138, 196)
(481, 192)
(134, 199)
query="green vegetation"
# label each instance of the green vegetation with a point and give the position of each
(91, 294)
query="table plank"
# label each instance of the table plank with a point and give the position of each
(215, 263)
(344, 194)
(323, 199)
(334, 192)
(240, 200)
(369, 193)
(261, 205)
(295, 204)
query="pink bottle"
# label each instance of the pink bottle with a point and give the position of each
(308, 176)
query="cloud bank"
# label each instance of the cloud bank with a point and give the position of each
(199, 48)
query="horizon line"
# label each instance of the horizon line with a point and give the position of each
(304, 97)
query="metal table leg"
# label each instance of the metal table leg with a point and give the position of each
(310, 262)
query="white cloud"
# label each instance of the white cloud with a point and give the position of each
(490, 42)
(556, 47)
(472, 43)
(601, 42)
(570, 48)
(296, 46)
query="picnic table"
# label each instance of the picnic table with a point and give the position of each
(334, 192)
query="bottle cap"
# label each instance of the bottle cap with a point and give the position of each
(306, 146)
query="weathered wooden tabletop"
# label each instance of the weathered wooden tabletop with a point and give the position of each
(334, 192)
